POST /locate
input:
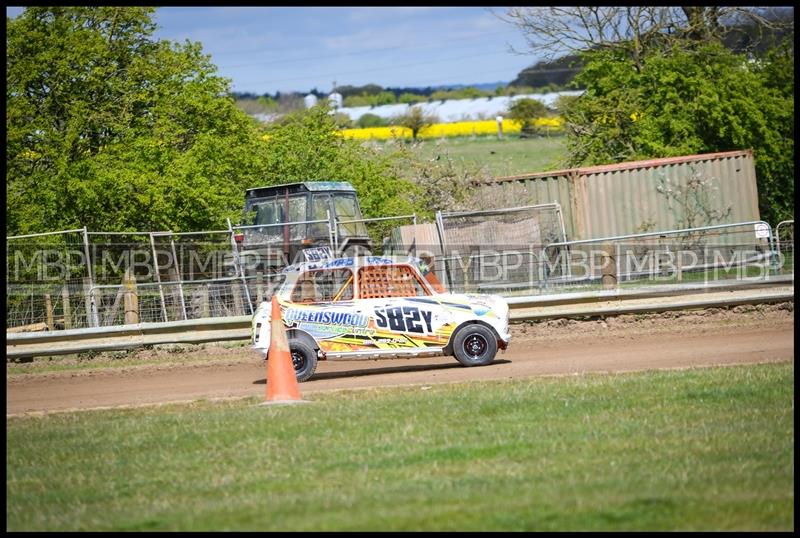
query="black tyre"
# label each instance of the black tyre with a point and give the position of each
(304, 359)
(475, 345)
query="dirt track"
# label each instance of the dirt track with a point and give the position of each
(624, 343)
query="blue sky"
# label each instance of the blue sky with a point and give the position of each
(268, 49)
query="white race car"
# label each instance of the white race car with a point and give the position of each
(373, 307)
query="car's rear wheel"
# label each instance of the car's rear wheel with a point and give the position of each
(475, 345)
(304, 359)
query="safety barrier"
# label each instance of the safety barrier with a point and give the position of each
(237, 328)
(81, 279)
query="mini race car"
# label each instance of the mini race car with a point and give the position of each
(374, 307)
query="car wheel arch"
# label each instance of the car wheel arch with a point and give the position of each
(448, 349)
(303, 336)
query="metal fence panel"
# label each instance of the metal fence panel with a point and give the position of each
(514, 251)
(494, 250)
(639, 196)
(710, 253)
(47, 279)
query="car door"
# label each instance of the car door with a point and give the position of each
(401, 309)
(322, 305)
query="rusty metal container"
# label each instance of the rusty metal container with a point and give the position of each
(640, 196)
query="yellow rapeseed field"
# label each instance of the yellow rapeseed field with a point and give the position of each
(441, 130)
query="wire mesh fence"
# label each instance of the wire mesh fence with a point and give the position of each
(270, 247)
(741, 251)
(45, 272)
(495, 251)
(388, 236)
(77, 279)
(498, 269)
(183, 300)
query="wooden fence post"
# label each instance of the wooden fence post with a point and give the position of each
(609, 267)
(67, 308)
(236, 289)
(48, 304)
(204, 310)
(131, 298)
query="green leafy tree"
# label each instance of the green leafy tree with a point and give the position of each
(357, 100)
(112, 129)
(527, 111)
(342, 120)
(697, 98)
(370, 120)
(416, 120)
(383, 98)
(306, 146)
(411, 98)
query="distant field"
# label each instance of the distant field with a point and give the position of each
(700, 449)
(505, 157)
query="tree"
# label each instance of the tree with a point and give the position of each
(416, 120)
(411, 98)
(527, 111)
(111, 129)
(543, 74)
(342, 120)
(306, 146)
(634, 30)
(697, 99)
(660, 82)
(370, 120)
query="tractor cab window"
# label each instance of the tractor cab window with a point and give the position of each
(320, 205)
(267, 212)
(297, 213)
(346, 209)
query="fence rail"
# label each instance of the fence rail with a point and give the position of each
(237, 328)
(83, 279)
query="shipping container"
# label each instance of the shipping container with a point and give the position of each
(639, 196)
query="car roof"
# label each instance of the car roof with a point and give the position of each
(352, 262)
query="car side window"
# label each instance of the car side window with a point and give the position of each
(324, 286)
(378, 281)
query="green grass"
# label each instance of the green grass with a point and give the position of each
(703, 449)
(506, 157)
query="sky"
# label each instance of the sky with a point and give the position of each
(268, 49)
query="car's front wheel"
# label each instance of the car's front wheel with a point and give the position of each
(304, 359)
(475, 345)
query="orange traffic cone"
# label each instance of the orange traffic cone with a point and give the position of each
(282, 386)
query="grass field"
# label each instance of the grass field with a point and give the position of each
(703, 449)
(510, 156)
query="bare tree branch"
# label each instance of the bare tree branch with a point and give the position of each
(551, 32)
